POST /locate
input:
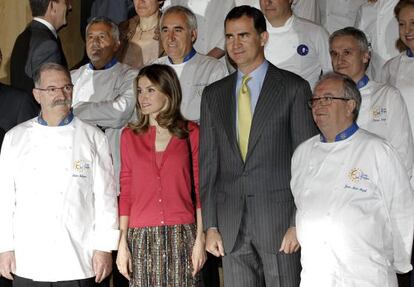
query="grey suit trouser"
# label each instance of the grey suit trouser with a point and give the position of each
(249, 266)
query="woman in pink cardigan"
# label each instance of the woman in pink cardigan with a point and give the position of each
(162, 240)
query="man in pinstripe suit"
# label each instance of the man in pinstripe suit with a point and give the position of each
(248, 208)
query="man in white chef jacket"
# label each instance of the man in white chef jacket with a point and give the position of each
(295, 44)
(195, 71)
(103, 93)
(355, 205)
(383, 110)
(58, 209)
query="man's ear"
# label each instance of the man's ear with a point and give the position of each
(193, 36)
(264, 37)
(351, 106)
(36, 95)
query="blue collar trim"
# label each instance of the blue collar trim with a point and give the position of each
(63, 122)
(363, 82)
(107, 66)
(187, 57)
(410, 53)
(343, 135)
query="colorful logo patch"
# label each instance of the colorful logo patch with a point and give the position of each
(379, 114)
(355, 175)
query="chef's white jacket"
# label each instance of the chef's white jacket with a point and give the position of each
(57, 199)
(355, 212)
(195, 74)
(384, 113)
(300, 46)
(378, 22)
(338, 14)
(399, 72)
(105, 98)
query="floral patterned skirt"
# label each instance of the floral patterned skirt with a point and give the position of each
(161, 256)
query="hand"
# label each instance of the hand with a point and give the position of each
(290, 243)
(214, 243)
(199, 256)
(7, 264)
(124, 260)
(102, 265)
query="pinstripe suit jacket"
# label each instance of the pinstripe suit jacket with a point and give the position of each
(281, 121)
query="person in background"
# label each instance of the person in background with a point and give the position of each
(15, 107)
(210, 16)
(338, 14)
(58, 207)
(195, 71)
(399, 71)
(295, 44)
(161, 224)
(39, 42)
(376, 19)
(355, 205)
(383, 110)
(140, 37)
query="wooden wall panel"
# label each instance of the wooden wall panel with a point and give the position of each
(16, 14)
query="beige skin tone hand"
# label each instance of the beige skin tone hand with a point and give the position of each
(290, 243)
(102, 264)
(7, 264)
(214, 242)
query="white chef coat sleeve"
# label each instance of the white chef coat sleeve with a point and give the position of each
(218, 73)
(400, 133)
(386, 72)
(106, 233)
(112, 113)
(398, 198)
(7, 195)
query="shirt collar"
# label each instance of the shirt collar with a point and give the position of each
(187, 57)
(344, 134)
(261, 70)
(108, 65)
(47, 24)
(410, 53)
(67, 120)
(363, 82)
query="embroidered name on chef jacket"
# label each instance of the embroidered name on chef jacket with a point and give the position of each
(81, 168)
(358, 180)
(379, 114)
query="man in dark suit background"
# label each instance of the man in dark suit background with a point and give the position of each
(39, 42)
(251, 122)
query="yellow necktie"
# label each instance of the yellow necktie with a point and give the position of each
(244, 114)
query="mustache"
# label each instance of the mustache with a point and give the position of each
(61, 103)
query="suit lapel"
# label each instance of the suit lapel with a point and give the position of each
(226, 105)
(265, 106)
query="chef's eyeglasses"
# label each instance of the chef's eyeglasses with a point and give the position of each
(324, 101)
(66, 89)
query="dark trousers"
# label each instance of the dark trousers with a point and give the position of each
(247, 265)
(5, 282)
(23, 282)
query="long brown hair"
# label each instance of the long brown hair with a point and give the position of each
(401, 5)
(165, 79)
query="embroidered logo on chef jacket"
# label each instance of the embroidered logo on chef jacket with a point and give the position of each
(302, 50)
(81, 168)
(379, 114)
(357, 179)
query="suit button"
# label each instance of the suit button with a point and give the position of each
(245, 174)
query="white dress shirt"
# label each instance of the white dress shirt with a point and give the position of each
(384, 113)
(105, 98)
(355, 212)
(299, 46)
(378, 22)
(195, 74)
(57, 200)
